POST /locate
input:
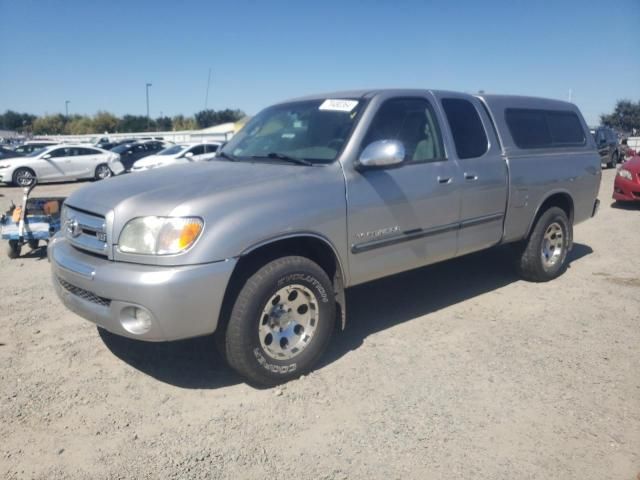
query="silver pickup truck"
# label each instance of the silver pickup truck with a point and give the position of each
(315, 195)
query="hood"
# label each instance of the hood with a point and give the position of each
(159, 192)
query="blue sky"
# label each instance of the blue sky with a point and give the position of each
(99, 54)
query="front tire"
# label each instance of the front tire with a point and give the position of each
(281, 321)
(24, 177)
(614, 160)
(543, 255)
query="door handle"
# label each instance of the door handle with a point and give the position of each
(444, 180)
(470, 176)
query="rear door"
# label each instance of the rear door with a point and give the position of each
(85, 162)
(210, 150)
(483, 174)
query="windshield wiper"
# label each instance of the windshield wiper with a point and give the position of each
(228, 156)
(286, 158)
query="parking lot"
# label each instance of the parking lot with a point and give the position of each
(458, 370)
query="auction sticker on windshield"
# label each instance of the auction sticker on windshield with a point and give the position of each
(337, 105)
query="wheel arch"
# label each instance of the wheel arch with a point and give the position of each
(561, 199)
(307, 244)
(23, 167)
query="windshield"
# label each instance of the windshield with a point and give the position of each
(172, 150)
(313, 130)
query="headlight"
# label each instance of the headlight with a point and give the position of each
(160, 235)
(625, 174)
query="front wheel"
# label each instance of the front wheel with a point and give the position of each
(614, 160)
(24, 177)
(542, 257)
(281, 321)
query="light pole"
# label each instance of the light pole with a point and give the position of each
(148, 118)
(66, 108)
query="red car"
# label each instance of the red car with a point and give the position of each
(627, 184)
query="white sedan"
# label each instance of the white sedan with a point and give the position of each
(177, 154)
(60, 162)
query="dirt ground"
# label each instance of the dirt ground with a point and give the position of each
(455, 371)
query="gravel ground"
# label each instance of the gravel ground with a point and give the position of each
(455, 371)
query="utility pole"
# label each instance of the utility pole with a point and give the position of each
(66, 108)
(148, 118)
(206, 97)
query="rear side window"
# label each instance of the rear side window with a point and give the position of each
(466, 127)
(532, 128)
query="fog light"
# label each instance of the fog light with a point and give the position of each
(135, 320)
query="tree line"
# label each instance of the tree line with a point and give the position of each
(625, 117)
(102, 121)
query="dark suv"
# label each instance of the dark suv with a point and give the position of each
(131, 152)
(608, 146)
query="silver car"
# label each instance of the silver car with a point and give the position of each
(60, 162)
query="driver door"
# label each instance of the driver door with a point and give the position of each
(55, 165)
(404, 217)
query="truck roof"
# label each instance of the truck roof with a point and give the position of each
(496, 100)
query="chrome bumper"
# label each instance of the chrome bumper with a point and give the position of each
(183, 301)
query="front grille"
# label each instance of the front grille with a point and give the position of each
(84, 294)
(86, 231)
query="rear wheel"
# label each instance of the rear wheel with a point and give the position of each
(614, 160)
(34, 244)
(103, 172)
(23, 177)
(542, 257)
(281, 321)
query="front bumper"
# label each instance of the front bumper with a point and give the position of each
(183, 302)
(626, 190)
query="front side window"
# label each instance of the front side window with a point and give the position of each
(412, 122)
(466, 127)
(531, 128)
(314, 130)
(211, 148)
(60, 152)
(197, 150)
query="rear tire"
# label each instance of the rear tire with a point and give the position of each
(542, 257)
(281, 321)
(14, 249)
(614, 160)
(23, 177)
(103, 172)
(34, 244)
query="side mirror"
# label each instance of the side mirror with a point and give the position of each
(382, 154)
(47, 156)
(188, 155)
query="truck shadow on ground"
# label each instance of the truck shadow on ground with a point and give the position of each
(371, 307)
